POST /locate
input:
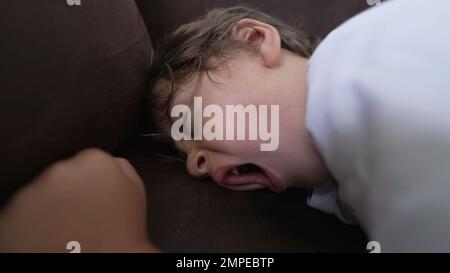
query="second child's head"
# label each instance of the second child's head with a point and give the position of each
(239, 56)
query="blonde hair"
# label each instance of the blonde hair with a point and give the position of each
(189, 49)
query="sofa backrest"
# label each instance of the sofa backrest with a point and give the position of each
(318, 17)
(71, 77)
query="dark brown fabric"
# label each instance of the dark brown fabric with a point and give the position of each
(196, 215)
(318, 17)
(70, 78)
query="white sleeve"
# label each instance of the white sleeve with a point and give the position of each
(379, 112)
(325, 198)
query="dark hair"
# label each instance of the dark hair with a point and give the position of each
(189, 49)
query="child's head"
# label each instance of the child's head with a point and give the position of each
(239, 56)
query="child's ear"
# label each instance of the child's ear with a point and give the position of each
(264, 36)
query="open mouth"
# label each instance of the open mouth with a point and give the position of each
(246, 169)
(246, 176)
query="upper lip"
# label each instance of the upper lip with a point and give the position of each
(221, 176)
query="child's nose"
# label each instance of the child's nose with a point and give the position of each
(197, 164)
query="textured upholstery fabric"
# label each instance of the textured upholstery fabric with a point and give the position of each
(71, 77)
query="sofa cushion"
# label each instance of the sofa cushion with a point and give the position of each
(71, 77)
(318, 17)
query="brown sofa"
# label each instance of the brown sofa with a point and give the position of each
(73, 77)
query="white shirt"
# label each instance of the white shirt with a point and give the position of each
(379, 111)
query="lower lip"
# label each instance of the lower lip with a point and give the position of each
(273, 182)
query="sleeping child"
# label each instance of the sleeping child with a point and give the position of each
(363, 118)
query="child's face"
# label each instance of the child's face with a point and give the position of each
(269, 76)
(247, 81)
